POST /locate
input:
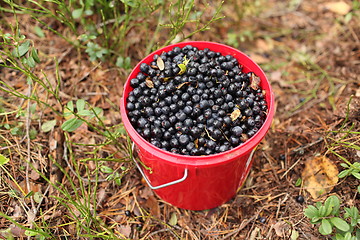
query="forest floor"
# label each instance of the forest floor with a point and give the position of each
(310, 52)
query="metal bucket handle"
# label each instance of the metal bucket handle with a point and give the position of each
(162, 185)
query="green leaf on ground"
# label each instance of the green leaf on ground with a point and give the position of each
(38, 31)
(311, 212)
(325, 227)
(70, 106)
(35, 55)
(3, 160)
(77, 13)
(106, 169)
(356, 174)
(22, 49)
(340, 224)
(173, 219)
(31, 62)
(80, 104)
(48, 125)
(71, 124)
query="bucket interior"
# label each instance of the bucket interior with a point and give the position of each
(214, 159)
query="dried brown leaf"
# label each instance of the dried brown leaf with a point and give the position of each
(281, 229)
(154, 67)
(235, 114)
(319, 176)
(181, 85)
(149, 83)
(196, 142)
(124, 230)
(339, 7)
(244, 137)
(160, 63)
(153, 204)
(254, 81)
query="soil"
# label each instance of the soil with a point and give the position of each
(311, 56)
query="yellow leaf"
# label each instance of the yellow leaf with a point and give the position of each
(182, 68)
(235, 114)
(340, 7)
(319, 176)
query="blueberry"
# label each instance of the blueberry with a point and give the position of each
(300, 199)
(184, 140)
(128, 213)
(185, 113)
(144, 67)
(134, 82)
(237, 131)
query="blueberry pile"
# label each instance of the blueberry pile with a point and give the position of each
(195, 102)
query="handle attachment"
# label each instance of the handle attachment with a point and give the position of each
(162, 185)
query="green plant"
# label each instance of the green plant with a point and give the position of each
(330, 215)
(180, 14)
(352, 169)
(77, 118)
(345, 138)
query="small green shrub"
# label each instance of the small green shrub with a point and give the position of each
(339, 223)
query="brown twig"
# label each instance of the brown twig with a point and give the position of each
(31, 214)
(241, 227)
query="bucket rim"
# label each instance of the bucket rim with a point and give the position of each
(204, 160)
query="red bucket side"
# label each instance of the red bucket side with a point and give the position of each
(214, 179)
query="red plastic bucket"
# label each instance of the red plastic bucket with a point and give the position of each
(198, 182)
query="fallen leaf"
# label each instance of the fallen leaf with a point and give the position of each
(124, 230)
(357, 92)
(182, 68)
(254, 81)
(18, 213)
(34, 175)
(146, 193)
(244, 137)
(319, 176)
(276, 76)
(281, 228)
(153, 205)
(16, 231)
(254, 234)
(235, 114)
(340, 7)
(149, 83)
(182, 84)
(196, 142)
(294, 235)
(173, 219)
(160, 63)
